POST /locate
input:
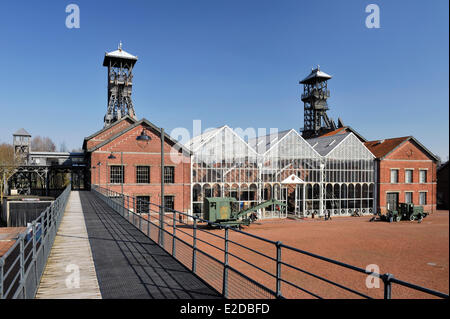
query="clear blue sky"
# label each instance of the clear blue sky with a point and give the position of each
(227, 62)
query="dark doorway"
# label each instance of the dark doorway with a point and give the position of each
(291, 198)
(391, 201)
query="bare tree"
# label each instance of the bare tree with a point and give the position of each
(7, 166)
(42, 144)
(63, 147)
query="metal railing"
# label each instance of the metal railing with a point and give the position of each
(225, 263)
(22, 266)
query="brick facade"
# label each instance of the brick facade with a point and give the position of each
(407, 155)
(133, 153)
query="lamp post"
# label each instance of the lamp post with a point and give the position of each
(93, 167)
(99, 169)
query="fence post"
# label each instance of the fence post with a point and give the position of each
(174, 232)
(278, 269)
(225, 266)
(194, 246)
(161, 226)
(123, 204)
(22, 264)
(140, 220)
(33, 227)
(387, 285)
(2, 262)
(148, 222)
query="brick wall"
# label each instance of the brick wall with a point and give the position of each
(135, 153)
(407, 156)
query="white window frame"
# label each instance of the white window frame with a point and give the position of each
(412, 175)
(420, 198)
(420, 176)
(390, 176)
(412, 196)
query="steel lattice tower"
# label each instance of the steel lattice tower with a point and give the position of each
(314, 97)
(120, 81)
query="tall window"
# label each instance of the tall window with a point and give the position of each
(394, 175)
(143, 174)
(422, 198)
(169, 174)
(169, 202)
(422, 176)
(408, 176)
(408, 197)
(116, 175)
(142, 204)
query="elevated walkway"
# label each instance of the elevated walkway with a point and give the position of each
(115, 259)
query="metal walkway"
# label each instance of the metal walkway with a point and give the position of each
(129, 264)
(70, 271)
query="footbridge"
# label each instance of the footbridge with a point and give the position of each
(101, 244)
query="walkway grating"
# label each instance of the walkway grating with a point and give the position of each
(129, 264)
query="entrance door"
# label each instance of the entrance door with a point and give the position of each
(392, 201)
(284, 199)
(299, 200)
(291, 197)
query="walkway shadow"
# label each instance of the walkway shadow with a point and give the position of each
(131, 265)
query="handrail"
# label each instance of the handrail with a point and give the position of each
(121, 204)
(20, 277)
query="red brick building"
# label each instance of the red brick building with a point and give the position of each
(119, 161)
(406, 172)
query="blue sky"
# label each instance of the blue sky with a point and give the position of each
(227, 62)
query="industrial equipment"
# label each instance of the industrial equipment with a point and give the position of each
(225, 211)
(405, 211)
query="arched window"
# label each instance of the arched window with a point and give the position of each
(217, 190)
(196, 193)
(207, 190)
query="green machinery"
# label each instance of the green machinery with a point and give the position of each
(225, 211)
(406, 211)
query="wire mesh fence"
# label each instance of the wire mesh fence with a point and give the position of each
(22, 266)
(242, 265)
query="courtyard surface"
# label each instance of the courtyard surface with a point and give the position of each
(414, 252)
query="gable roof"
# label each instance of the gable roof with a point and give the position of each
(198, 141)
(119, 54)
(22, 132)
(344, 130)
(167, 137)
(194, 143)
(382, 148)
(127, 117)
(264, 143)
(325, 144)
(316, 74)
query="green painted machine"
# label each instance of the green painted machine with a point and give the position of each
(405, 211)
(225, 211)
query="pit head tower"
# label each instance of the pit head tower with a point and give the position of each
(120, 82)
